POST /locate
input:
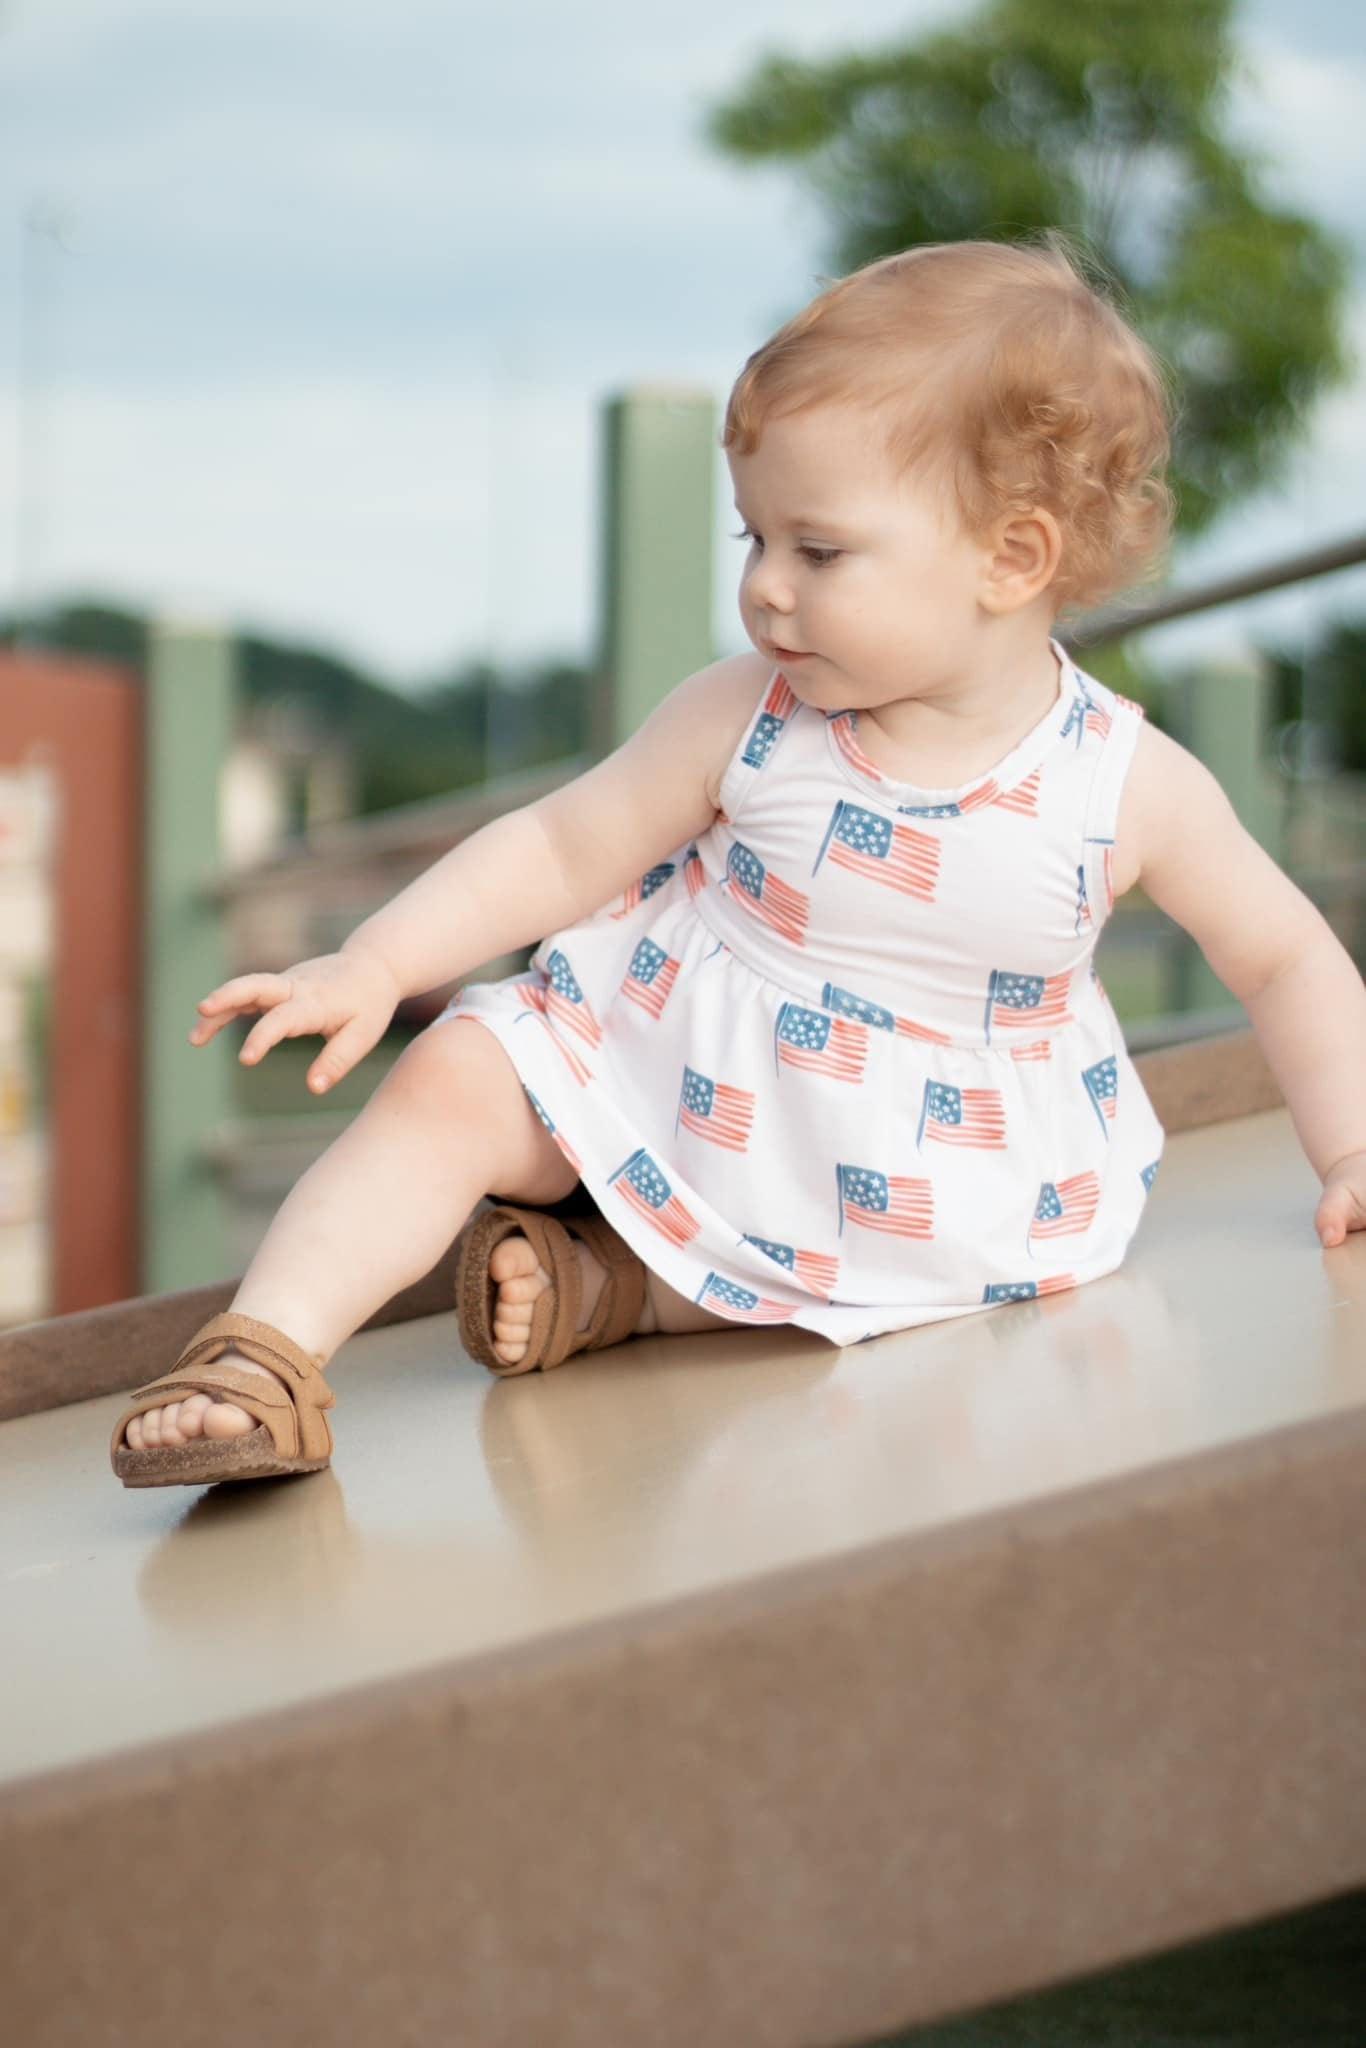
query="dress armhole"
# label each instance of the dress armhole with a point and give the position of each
(1102, 812)
(763, 729)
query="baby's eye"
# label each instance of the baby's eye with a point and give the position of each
(818, 557)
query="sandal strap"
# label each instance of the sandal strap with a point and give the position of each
(617, 1309)
(553, 1336)
(291, 1411)
(556, 1308)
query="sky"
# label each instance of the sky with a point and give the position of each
(324, 302)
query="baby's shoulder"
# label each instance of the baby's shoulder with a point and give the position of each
(1166, 787)
(727, 694)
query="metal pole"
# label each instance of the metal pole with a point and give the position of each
(43, 222)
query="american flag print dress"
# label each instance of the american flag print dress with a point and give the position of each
(844, 1061)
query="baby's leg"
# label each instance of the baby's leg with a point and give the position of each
(450, 1122)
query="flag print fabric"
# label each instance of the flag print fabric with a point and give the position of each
(844, 1061)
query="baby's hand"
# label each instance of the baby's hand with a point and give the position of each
(1343, 1207)
(347, 997)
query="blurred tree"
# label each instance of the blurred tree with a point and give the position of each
(1105, 122)
(1337, 657)
(407, 747)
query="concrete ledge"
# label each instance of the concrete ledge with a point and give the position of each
(726, 1689)
(843, 1800)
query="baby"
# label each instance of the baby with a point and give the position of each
(816, 1033)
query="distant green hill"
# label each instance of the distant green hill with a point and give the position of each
(406, 748)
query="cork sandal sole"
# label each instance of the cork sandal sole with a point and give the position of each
(553, 1336)
(293, 1434)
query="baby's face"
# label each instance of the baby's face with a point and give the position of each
(859, 572)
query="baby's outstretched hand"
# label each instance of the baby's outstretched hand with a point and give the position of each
(1343, 1207)
(348, 998)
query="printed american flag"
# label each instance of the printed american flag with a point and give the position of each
(1065, 1207)
(741, 1302)
(1039, 1049)
(1149, 1175)
(975, 1117)
(842, 726)
(1083, 916)
(815, 1270)
(645, 887)
(1026, 999)
(882, 1201)
(844, 1000)
(817, 1044)
(533, 995)
(1026, 1290)
(1024, 798)
(872, 846)
(566, 1002)
(763, 735)
(988, 792)
(694, 874)
(1085, 715)
(640, 1183)
(849, 1005)
(1102, 1085)
(769, 898)
(711, 1109)
(650, 977)
(568, 1150)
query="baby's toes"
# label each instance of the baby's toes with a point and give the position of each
(512, 1258)
(170, 1430)
(225, 1419)
(523, 1290)
(190, 1421)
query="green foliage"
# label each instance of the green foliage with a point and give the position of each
(1334, 693)
(406, 748)
(1105, 122)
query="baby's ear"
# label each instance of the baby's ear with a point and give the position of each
(1024, 551)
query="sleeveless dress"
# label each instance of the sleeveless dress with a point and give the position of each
(843, 1061)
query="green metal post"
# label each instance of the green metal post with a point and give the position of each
(1224, 717)
(659, 454)
(186, 1090)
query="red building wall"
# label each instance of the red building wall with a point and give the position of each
(84, 718)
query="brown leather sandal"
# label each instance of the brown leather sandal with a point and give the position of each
(555, 1311)
(294, 1434)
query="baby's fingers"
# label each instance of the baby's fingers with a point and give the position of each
(246, 992)
(1339, 1213)
(345, 1050)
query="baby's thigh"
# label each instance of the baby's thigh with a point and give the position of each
(457, 1073)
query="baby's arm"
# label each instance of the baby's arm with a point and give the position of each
(1270, 945)
(550, 863)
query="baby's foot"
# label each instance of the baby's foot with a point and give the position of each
(179, 1422)
(521, 1276)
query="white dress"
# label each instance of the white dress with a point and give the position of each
(844, 1061)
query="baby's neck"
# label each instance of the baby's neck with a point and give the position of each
(940, 741)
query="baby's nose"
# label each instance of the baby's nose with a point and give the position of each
(768, 588)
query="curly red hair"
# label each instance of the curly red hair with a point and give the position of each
(1005, 373)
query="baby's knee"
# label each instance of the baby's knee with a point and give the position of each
(457, 1067)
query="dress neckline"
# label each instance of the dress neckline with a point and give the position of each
(841, 731)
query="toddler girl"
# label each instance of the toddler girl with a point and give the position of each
(815, 1034)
